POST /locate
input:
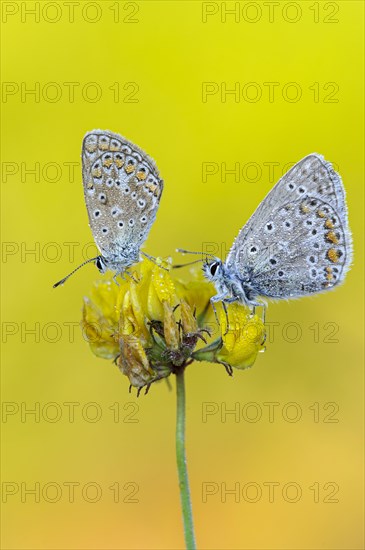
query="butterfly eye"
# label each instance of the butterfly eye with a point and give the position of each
(214, 268)
(99, 264)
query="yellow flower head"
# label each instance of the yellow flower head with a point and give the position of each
(151, 323)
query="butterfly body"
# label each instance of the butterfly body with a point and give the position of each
(118, 261)
(297, 242)
(230, 286)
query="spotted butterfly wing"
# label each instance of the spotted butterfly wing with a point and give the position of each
(298, 241)
(122, 191)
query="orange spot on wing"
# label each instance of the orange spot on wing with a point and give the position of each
(151, 186)
(141, 176)
(331, 236)
(332, 255)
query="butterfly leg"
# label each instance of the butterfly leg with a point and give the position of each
(259, 304)
(219, 298)
(215, 312)
(229, 300)
(129, 275)
(226, 314)
(115, 360)
(115, 278)
(264, 313)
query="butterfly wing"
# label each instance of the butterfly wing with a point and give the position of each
(298, 241)
(122, 190)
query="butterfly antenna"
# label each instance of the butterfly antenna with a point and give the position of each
(189, 263)
(182, 251)
(72, 272)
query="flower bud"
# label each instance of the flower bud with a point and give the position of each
(170, 327)
(188, 320)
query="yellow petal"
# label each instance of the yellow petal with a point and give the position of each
(163, 285)
(161, 290)
(104, 295)
(99, 331)
(123, 288)
(128, 321)
(154, 305)
(244, 338)
(139, 310)
(197, 294)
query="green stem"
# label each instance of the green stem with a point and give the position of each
(181, 462)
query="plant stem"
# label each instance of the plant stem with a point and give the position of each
(181, 462)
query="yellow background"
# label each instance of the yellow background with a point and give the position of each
(170, 52)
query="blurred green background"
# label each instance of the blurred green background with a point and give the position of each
(159, 73)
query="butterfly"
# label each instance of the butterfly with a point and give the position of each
(122, 190)
(296, 243)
